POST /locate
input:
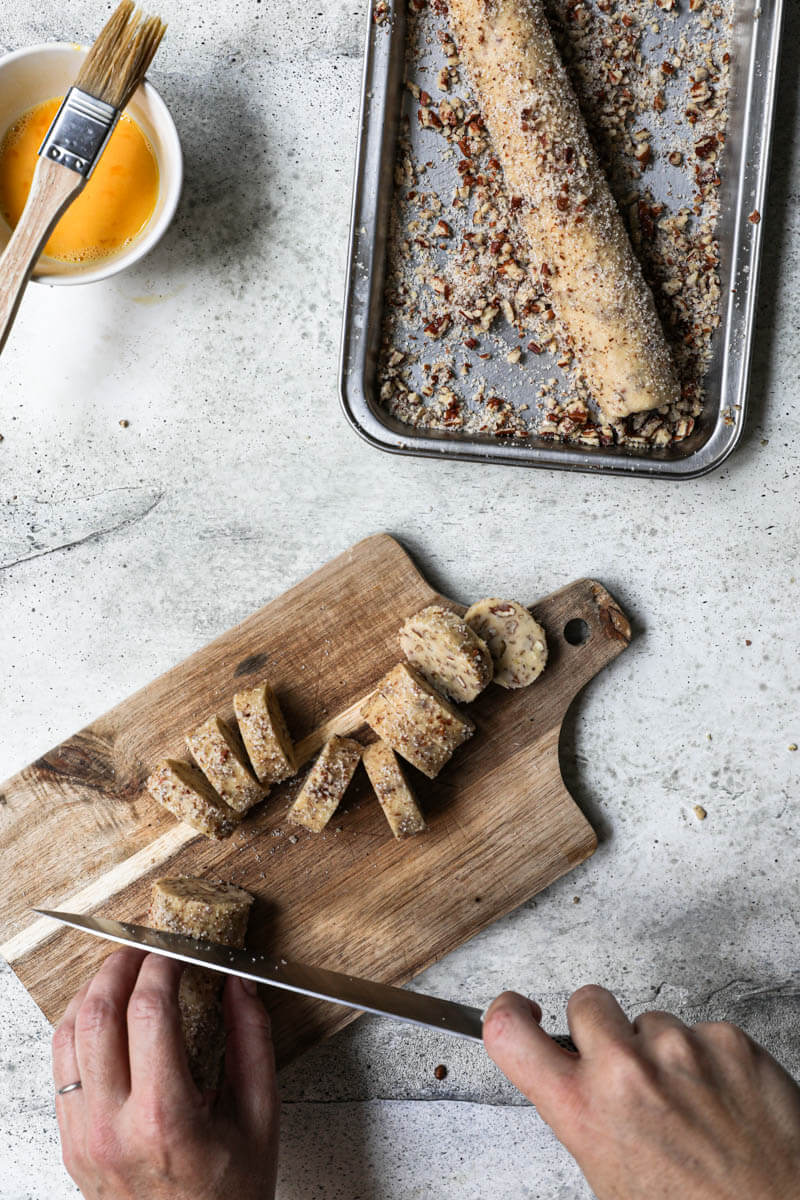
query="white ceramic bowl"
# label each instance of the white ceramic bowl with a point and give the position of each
(37, 73)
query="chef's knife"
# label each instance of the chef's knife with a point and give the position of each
(363, 994)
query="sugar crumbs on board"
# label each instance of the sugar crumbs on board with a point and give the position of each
(470, 342)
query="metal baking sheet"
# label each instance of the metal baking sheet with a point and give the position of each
(755, 52)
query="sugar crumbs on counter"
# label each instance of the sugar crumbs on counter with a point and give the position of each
(470, 342)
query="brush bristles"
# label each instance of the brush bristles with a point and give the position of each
(118, 61)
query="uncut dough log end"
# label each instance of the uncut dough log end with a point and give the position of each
(215, 912)
(579, 245)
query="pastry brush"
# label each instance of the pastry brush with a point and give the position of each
(78, 135)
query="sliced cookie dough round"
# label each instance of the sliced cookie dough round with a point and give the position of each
(447, 652)
(515, 639)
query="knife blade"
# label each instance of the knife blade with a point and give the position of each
(366, 995)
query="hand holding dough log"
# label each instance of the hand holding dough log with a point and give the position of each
(215, 912)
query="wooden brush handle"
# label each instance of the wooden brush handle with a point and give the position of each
(53, 189)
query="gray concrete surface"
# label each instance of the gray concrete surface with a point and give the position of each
(123, 549)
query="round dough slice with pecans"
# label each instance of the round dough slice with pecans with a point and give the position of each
(515, 639)
(447, 652)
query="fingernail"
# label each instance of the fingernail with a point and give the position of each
(250, 986)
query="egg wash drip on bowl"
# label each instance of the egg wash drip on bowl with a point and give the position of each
(114, 207)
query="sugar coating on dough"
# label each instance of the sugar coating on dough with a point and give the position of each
(326, 783)
(215, 912)
(417, 722)
(218, 755)
(580, 248)
(264, 733)
(391, 787)
(447, 652)
(412, 741)
(516, 640)
(405, 688)
(185, 792)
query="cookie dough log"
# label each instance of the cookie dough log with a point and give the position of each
(515, 639)
(186, 793)
(326, 784)
(215, 912)
(447, 652)
(219, 756)
(264, 733)
(391, 787)
(409, 715)
(579, 244)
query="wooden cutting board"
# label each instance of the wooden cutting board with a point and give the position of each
(78, 832)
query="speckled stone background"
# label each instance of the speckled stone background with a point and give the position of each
(123, 549)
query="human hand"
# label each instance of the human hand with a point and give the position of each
(138, 1128)
(651, 1109)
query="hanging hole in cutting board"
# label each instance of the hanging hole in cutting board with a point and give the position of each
(576, 631)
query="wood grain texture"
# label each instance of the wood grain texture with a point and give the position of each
(78, 832)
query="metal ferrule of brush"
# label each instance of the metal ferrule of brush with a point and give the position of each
(79, 132)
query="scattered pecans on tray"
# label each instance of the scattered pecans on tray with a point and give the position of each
(470, 342)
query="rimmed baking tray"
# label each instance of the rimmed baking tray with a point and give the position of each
(755, 48)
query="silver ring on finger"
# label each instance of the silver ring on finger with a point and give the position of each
(69, 1087)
